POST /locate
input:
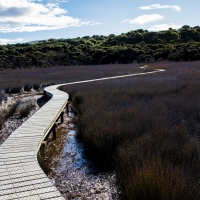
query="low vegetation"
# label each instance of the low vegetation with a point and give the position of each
(147, 129)
(133, 46)
(7, 109)
(25, 110)
(10, 106)
(15, 81)
(3, 98)
(21, 81)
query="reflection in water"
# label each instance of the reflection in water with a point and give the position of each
(71, 171)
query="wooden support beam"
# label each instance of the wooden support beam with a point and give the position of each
(62, 117)
(67, 109)
(54, 131)
(42, 147)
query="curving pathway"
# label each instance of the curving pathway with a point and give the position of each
(20, 174)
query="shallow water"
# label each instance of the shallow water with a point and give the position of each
(73, 174)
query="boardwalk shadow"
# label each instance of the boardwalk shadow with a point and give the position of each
(42, 100)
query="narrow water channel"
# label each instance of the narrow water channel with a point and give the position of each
(73, 174)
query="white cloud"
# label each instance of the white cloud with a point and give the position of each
(143, 19)
(62, 1)
(161, 27)
(11, 41)
(158, 6)
(29, 16)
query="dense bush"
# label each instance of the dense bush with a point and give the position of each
(139, 45)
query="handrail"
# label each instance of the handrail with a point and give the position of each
(49, 127)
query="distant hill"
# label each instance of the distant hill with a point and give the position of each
(134, 46)
(32, 42)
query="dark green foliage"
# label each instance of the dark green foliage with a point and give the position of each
(171, 44)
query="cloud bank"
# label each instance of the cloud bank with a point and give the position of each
(162, 27)
(158, 6)
(143, 19)
(11, 41)
(62, 1)
(30, 16)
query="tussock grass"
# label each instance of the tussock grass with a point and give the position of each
(3, 98)
(7, 108)
(25, 110)
(10, 106)
(147, 129)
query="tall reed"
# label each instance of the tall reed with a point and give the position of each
(147, 129)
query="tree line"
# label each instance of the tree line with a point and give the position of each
(134, 46)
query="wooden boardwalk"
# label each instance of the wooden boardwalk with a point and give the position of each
(20, 174)
(21, 177)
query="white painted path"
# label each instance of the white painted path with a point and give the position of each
(20, 174)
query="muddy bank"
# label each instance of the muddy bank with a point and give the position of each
(73, 174)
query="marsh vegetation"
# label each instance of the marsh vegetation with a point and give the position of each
(146, 128)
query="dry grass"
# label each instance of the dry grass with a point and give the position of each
(25, 110)
(147, 128)
(7, 108)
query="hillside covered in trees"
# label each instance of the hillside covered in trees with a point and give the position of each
(134, 46)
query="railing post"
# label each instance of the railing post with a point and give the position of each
(62, 117)
(54, 131)
(42, 147)
(67, 109)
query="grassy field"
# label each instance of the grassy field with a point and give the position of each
(147, 128)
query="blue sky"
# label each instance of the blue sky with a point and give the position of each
(30, 20)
